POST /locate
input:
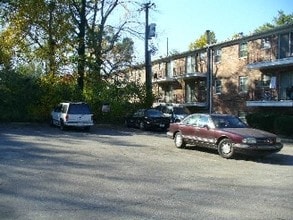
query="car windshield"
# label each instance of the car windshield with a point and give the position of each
(79, 109)
(227, 121)
(180, 111)
(154, 113)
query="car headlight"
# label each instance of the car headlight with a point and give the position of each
(278, 140)
(249, 141)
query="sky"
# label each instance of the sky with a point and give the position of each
(181, 22)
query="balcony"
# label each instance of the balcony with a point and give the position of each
(265, 103)
(269, 98)
(268, 63)
(164, 80)
(192, 75)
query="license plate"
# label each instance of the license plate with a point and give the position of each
(162, 125)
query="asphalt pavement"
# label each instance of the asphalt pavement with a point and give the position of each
(116, 173)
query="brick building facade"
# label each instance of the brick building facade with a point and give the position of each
(247, 74)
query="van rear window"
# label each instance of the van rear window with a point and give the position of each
(79, 109)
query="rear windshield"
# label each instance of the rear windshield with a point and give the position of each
(79, 109)
(180, 111)
(154, 113)
(228, 122)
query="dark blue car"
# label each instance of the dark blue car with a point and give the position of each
(148, 119)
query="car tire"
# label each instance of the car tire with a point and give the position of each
(126, 124)
(178, 140)
(142, 126)
(51, 122)
(62, 126)
(225, 148)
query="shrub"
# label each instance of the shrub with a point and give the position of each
(284, 125)
(264, 121)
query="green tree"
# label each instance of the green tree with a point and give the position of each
(37, 45)
(34, 33)
(279, 20)
(202, 41)
(35, 30)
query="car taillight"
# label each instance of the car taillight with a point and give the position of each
(66, 118)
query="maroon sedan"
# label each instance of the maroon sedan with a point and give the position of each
(226, 133)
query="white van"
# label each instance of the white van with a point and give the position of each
(72, 114)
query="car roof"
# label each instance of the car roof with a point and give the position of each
(213, 114)
(170, 105)
(73, 103)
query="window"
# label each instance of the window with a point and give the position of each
(243, 84)
(286, 45)
(190, 91)
(203, 56)
(64, 109)
(169, 69)
(191, 120)
(243, 49)
(217, 55)
(203, 121)
(218, 86)
(291, 44)
(265, 43)
(190, 64)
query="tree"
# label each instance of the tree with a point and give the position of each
(202, 41)
(98, 39)
(119, 58)
(79, 17)
(91, 38)
(281, 19)
(39, 32)
(34, 32)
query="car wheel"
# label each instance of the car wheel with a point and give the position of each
(51, 122)
(62, 126)
(142, 126)
(225, 148)
(126, 124)
(179, 142)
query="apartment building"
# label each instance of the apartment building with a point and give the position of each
(251, 73)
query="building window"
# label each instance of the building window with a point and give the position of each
(169, 69)
(243, 49)
(202, 56)
(286, 45)
(265, 43)
(217, 55)
(243, 84)
(291, 44)
(190, 64)
(218, 86)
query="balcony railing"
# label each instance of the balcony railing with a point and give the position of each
(269, 98)
(271, 63)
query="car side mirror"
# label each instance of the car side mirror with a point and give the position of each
(206, 127)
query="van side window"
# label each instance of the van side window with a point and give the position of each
(58, 108)
(64, 109)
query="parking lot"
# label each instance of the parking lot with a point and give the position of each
(121, 173)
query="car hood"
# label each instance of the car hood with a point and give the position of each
(249, 132)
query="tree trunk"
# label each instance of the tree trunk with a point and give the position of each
(81, 46)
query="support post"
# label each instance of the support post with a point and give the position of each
(210, 75)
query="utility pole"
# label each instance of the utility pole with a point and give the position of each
(210, 74)
(148, 65)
